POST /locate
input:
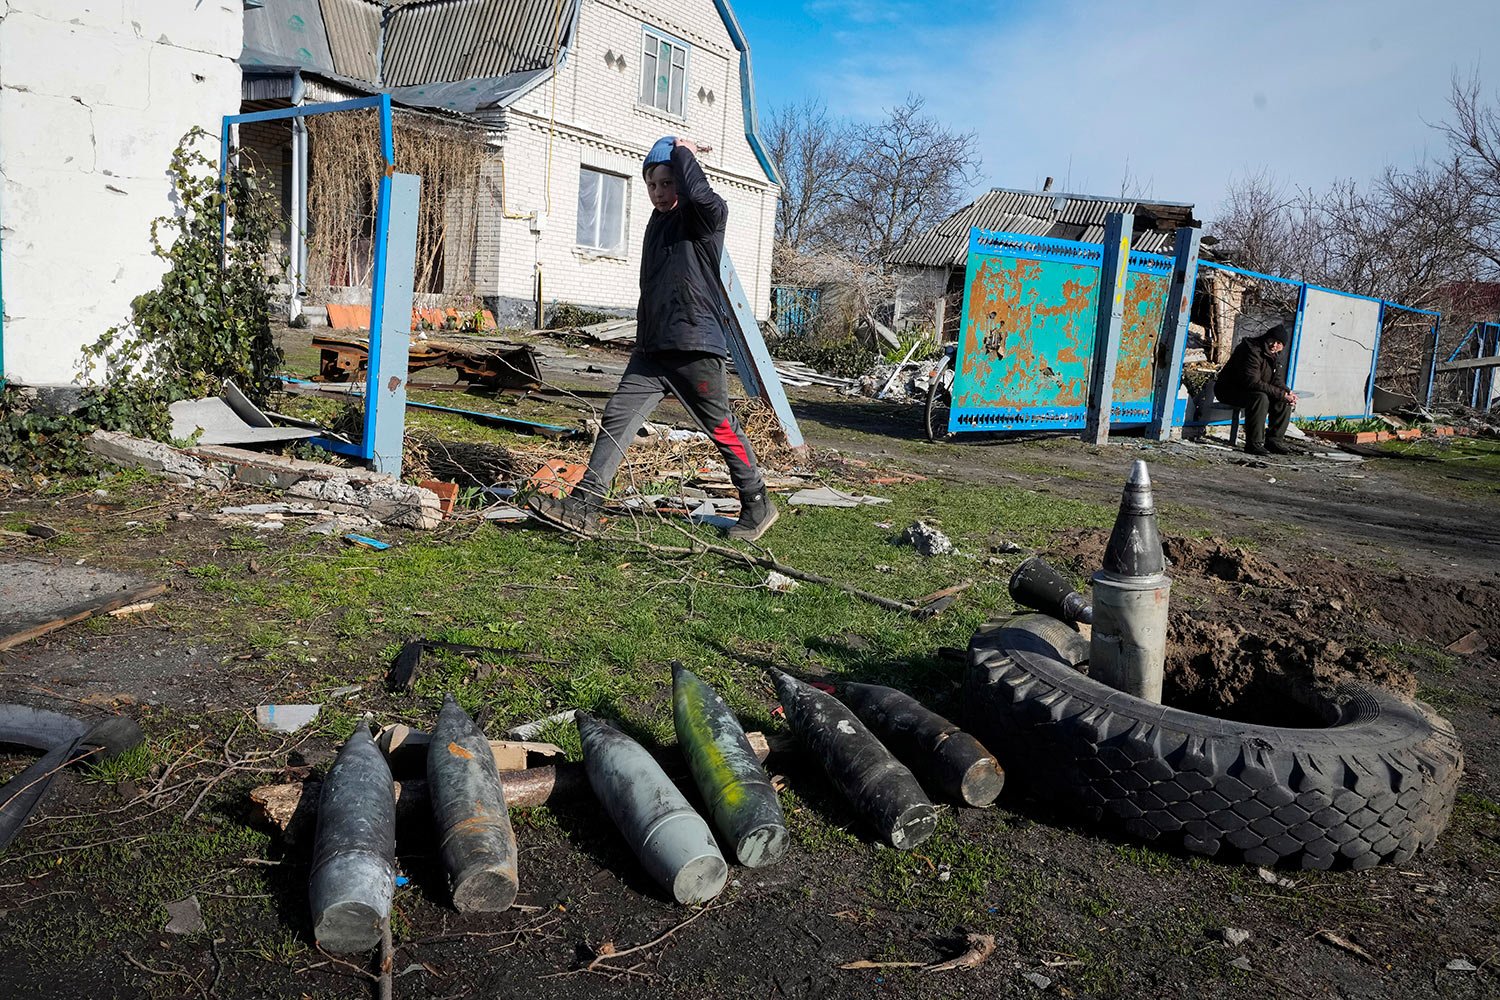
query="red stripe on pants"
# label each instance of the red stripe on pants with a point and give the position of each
(726, 437)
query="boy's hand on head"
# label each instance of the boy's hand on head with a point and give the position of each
(696, 147)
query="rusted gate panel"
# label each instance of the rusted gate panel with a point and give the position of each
(1027, 335)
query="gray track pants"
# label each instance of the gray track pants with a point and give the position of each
(699, 382)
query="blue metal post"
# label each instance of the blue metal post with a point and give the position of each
(390, 322)
(1437, 326)
(1113, 274)
(748, 349)
(1296, 344)
(1174, 327)
(1374, 362)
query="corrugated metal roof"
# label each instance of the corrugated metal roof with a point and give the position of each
(444, 41)
(470, 97)
(354, 37)
(287, 32)
(1036, 213)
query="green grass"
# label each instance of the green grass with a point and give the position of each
(596, 625)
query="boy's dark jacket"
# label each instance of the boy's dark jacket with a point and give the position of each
(682, 307)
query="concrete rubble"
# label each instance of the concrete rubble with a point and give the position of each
(340, 490)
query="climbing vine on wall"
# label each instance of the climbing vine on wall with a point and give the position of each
(206, 322)
(209, 320)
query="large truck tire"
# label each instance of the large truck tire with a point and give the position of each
(1376, 785)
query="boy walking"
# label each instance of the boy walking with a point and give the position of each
(681, 344)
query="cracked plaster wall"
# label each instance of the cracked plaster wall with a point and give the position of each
(94, 96)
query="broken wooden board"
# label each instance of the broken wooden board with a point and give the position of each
(38, 597)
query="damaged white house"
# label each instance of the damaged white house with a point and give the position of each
(566, 98)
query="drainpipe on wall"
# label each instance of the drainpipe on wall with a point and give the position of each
(297, 249)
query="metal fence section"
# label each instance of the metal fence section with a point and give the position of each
(1027, 334)
(1333, 353)
(795, 309)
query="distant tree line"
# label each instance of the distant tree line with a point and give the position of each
(1415, 235)
(854, 191)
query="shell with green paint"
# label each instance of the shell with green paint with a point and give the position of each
(739, 795)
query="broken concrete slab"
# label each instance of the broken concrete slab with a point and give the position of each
(929, 541)
(346, 491)
(170, 463)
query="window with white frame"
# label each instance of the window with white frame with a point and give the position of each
(601, 211)
(663, 72)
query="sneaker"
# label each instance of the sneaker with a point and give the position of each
(1278, 448)
(572, 515)
(757, 513)
(1256, 448)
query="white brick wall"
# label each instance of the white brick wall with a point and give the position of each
(94, 96)
(597, 122)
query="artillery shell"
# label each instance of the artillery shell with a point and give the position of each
(674, 844)
(468, 805)
(354, 870)
(942, 755)
(876, 784)
(1035, 584)
(744, 806)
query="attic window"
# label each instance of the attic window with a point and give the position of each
(663, 72)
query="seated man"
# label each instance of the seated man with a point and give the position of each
(1253, 380)
(681, 343)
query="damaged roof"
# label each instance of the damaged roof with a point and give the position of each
(1043, 213)
(454, 55)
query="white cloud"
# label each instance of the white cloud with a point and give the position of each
(1188, 96)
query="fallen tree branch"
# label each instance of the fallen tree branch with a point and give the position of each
(700, 547)
(601, 962)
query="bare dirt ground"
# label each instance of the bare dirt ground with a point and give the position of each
(1292, 572)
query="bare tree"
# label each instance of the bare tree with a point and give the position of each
(814, 153)
(909, 171)
(1474, 139)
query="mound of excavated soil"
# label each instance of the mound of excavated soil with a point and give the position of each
(1258, 641)
(1259, 671)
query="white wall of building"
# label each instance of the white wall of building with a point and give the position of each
(594, 120)
(94, 96)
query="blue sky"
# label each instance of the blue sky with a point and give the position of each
(1185, 97)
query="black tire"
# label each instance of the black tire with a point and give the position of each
(1376, 786)
(939, 401)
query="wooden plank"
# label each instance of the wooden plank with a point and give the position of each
(79, 612)
(1469, 365)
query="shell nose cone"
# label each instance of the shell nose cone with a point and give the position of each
(1137, 498)
(1134, 547)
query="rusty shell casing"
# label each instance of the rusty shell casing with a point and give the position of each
(1036, 584)
(468, 806)
(672, 841)
(938, 752)
(879, 787)
(734, 785)
(354, 868)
